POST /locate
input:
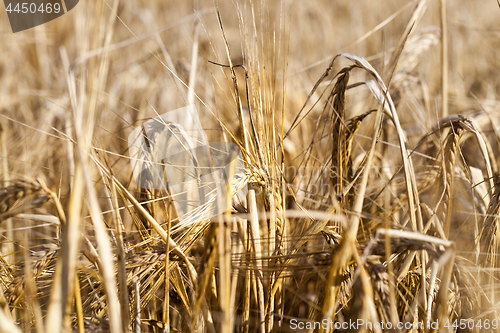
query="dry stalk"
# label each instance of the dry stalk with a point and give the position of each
(257, 258)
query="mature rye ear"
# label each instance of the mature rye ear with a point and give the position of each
(26, 15)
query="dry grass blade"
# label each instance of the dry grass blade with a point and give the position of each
(258, 272)
(161, 232)
(444, 59)
(205, 270)
(488, 242)
(122, 275)
(415, 19)
(64, 277)
(339, 150)
(137, 302)
(386, 101)
(235, 82)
